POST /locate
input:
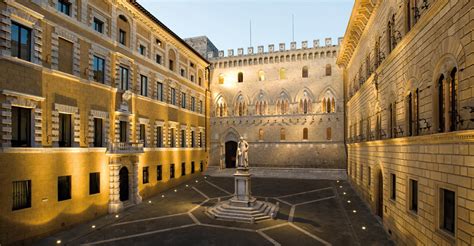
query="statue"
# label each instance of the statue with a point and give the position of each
(242, 154)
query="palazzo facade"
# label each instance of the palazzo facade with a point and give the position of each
(409, 105)
(101, 106)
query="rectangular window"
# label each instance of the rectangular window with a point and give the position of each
(193, 168)
(21, 127)
(183, 72)
(143, 85)
(159, 172)
(193, 104)
(201, 166)
(64, 6)
(413, 186)
(173, 96)
(64, 188)
(123, 131)
(159, 137)
(122, 37)
(98, 68)
(171, 65)
(123, 78)
(393, 186)
(158, 58)
(192, 78)
(65, 55)
(142, 49)
(361, 173)
(21, 194)
(193, 140)
(200, 139)
(142, 133)
(65, 130)
(409, 108)
(98, 25)
(94, 183)
(199, 81)
(21, 42)
(183, 169)
(98, 132)
(172, 138)
(200, 106)
(183, 100)
(369, 176)
(171, 171)
(145, 175)
(448, 210)
(159, 91)
(183, 138)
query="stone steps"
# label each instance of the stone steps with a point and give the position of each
(260, 211)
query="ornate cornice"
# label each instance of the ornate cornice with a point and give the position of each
(360, 16)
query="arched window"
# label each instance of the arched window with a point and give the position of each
(282, 73)
(240, 77)
(305, 133)
(441, 104)
(323, 105)
(328, 133)
(305, 106)
(282, 134)
(260, 134)
(328, 105)
(390, 34)
(453, 98)
(304, 72)
(261, 75)
(328, 70)
(333, 105)
(221, 79)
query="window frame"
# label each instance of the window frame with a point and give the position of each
(93, 191)
(98, 25)
(21, 202)
(68, 180)
(95, 76)
(145, 175)
(19, 41)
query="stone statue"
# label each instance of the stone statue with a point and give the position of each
(242, 154)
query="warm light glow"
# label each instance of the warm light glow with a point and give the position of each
(340, 186)
(343, 193)
(175, 190)
(116, 216)
(58, 242)
(149, 201)
(363, 227)
(349, 201)
(93, 226)
(354, 211)
(187, 185)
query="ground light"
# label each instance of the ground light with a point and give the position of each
(340, 186)
(354, 211)
(149, 201)
(116, 216)
(175, 190)
(343, 193)
(58, 241)
(93, 226)
(187, 185)
(348, 201)
(162, 195)
(363, 228)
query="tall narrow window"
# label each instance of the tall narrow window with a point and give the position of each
(328, 70)
(21, 194)
(369, 176)
(201, 166)
(123, 131)
(98, 25)
(328, 133)
(260, 135)
(64, 188)
(159, 136)
(221, 79)
(393, 186)
(304, 72)
(145, 175)
(441, 104)
(21, 127)
(64, 6)
(142, 49)
(447, 210)
(282, 73)
(98, 69)
(193, 140)
(143, 134)
(171, 65)
(183, 100)
(261, 75)
(183, 138)
(171, 171)
(416, 112)
(98, 132)
(20, 42)
(193, 104)
(183, 169)
(159, 91)
(159, 172)
(65, 130)
(240, 77)
(124, 77)
(122, 37)
(193, 168)
(173, 96)
(201, 140)
(143, 85)
(200, 106)
(65, 55)
(413, 186)
(282, 134)
(305, 133)
(453, 97)
(158, 59)
(172, 138)
(94, 183)
(409, 108)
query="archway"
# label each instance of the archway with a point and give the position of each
(379, 202)
(230, 154)
(124, 196)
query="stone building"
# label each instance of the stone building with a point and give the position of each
(287, 103)
(409, 107)
(101, 106)
(203, 46)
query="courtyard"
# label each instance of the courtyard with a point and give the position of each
(312, 212)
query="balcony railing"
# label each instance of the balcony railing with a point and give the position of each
(125, 148)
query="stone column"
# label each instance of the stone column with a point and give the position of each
(115, 205)
(222, 156)
(136, 196)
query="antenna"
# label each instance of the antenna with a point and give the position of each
(293, 26)
(250, 32)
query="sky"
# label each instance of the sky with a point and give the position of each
(227, 22)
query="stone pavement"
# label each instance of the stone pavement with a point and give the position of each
(312, 212)
(286, 173)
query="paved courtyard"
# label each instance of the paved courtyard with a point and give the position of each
(312, 212)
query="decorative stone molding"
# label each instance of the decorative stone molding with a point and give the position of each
(60, 32)
(75, 120)
(106, 127)
(103, 53)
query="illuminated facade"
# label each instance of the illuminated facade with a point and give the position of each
(101, 106)
(286, 102)
(409, 106)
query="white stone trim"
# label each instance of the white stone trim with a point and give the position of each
(75, 119)
(105, 54)
(60, 32)
(106, 126)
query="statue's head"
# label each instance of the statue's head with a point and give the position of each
(241, 138)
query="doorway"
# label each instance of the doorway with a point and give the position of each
(230, 154)
(380, 194)
(124, 184)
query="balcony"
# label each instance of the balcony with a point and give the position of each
(125, 148)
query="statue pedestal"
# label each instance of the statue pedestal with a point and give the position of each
(242, 206)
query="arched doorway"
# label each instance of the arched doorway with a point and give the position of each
(230, 154)
(124, 184)
(379, 204)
